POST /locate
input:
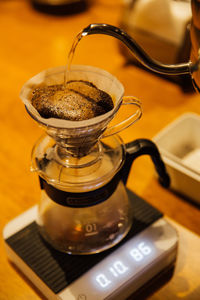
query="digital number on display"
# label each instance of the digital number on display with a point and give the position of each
(118, 268)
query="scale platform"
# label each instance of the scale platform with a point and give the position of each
(149, 249)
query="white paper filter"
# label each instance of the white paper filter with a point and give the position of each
(102, 79)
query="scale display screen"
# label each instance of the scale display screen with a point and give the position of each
(125, 265)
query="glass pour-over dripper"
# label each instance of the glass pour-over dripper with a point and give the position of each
(80, 136)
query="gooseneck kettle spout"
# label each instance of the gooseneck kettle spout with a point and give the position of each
(140, 54)
(191, 67)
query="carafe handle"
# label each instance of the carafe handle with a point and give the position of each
(126, 100)
(141, 147)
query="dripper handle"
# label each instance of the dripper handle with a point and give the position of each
(126, 100)
(141, 147)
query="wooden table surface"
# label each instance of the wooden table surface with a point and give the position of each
(31, 42)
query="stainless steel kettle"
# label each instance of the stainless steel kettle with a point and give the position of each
(191, 67)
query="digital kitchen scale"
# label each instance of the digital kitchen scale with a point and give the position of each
(149, 249)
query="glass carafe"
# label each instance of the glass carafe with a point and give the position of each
(86, 210)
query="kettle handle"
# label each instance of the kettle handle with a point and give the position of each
(140, 147)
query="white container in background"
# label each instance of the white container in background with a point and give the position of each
(179, 145)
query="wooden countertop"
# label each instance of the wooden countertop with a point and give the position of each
(31, 42)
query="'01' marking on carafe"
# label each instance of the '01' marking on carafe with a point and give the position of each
(91, 229)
